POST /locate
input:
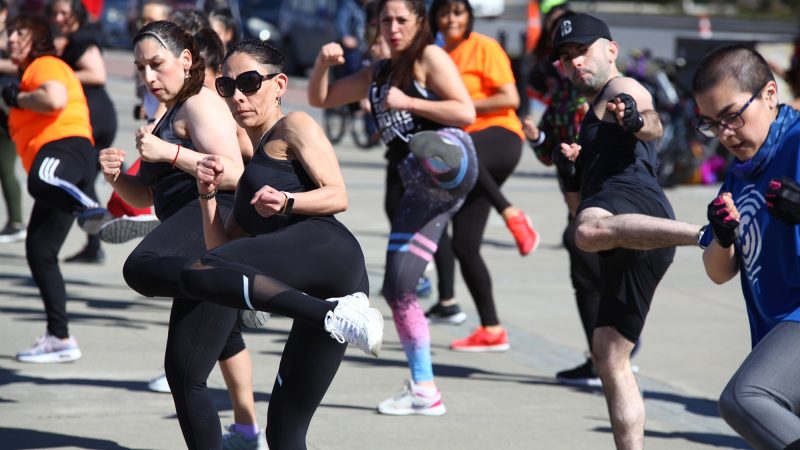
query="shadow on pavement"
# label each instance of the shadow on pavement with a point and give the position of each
(694, 405)
(21, 439)
(713, 439)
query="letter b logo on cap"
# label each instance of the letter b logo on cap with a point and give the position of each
(566, 27)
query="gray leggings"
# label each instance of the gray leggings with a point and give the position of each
(762, 400)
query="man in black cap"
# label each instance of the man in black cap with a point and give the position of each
(623, 215)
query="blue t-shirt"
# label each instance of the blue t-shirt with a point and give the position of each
(767, 249)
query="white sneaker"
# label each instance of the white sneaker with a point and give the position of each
(159, 384)
(237, 441)
(353, 322)
(410, 401)
(358, 299)
(123, 229)
(50, 349)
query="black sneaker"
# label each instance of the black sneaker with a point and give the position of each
(451, 314)
(583, 375)
(88, 256)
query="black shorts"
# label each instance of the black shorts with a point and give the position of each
(629, 277)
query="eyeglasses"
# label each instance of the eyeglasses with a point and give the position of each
(733, 121)
(247, 83)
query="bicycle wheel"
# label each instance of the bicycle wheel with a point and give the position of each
(335, 123)
(359, 132)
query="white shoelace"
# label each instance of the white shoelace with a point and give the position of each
(343, 328)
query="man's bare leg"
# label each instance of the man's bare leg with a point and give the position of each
(597, 229)
(611, 353)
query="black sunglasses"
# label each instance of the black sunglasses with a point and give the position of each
(247, 82)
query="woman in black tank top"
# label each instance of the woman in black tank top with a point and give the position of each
(282, 250)
(196, 124)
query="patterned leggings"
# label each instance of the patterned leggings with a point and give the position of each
(430, 199)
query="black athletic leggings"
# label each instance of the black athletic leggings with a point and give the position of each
(499, 151)
(199, 333)
(103, 118)
(288, 272)
(444, 257)
(58, 181)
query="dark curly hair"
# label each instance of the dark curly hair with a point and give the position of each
(41, 35)
(176, 39)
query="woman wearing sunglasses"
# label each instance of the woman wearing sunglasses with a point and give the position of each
(416, 96)
(196, 124)
(281, 249)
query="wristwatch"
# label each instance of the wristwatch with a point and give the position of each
(287, 207)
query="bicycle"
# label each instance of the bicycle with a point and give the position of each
(338, 121)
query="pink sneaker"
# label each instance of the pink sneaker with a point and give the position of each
(50, 349)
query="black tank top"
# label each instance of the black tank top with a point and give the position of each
(172, 187)
(284, 175)
(610, 155)
(397, 127)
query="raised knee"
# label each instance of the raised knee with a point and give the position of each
(588, 236)
(729, 407)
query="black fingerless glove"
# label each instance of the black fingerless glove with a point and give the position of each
(567, 172)
(632, 120)
(10, 93)
(783, 200)
(723, 224)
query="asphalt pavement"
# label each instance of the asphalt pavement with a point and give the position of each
(695, 337)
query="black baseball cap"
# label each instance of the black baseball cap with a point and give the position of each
(579, 29)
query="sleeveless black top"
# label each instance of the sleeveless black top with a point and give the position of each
(610, 155)
(283, 175)
(172, 187)
(397, 127)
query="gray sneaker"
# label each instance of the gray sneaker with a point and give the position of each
(236, 441)
(254, 319)
(50, 349)
(123, 229)
(92, 219)
(355, 323)
(13, 233)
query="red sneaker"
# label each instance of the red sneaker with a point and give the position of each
(527, 238)
(482, 341)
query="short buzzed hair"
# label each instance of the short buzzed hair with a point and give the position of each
(742, 65)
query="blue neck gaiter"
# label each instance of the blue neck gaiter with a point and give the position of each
(787, 116)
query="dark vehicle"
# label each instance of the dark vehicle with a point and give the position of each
(260, 19)
(305, 26)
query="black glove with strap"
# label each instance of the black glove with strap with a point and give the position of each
(783, 200)
(723, 223)
(10, 93)
(632, 120)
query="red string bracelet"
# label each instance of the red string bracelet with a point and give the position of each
(176, 155)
